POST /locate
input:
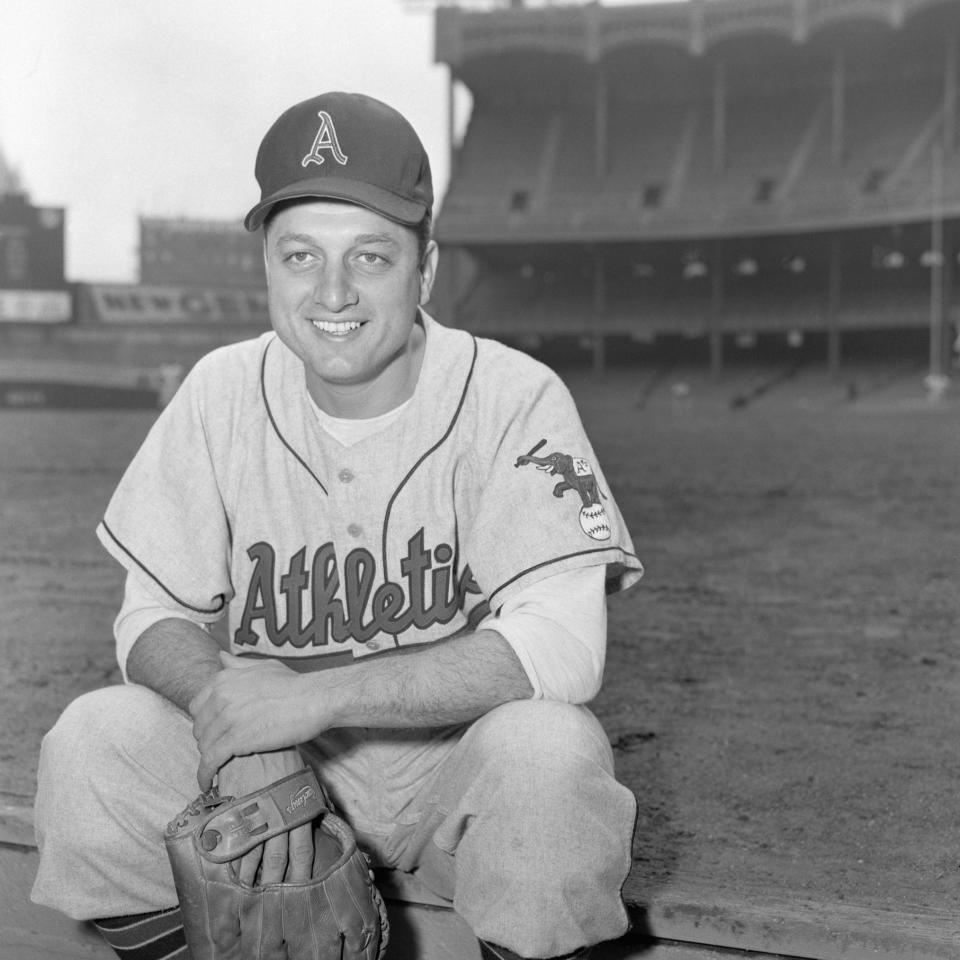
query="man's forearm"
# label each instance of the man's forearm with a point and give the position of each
(261, 705)
(449, 682)
(176, 658)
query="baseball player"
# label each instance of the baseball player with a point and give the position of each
(410, 540)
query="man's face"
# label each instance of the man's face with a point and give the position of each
(344, 284)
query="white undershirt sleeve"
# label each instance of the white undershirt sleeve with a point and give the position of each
(558, 629)
(140, 610)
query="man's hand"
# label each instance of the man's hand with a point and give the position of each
(253, 706)
(286, 857)
(239, 727)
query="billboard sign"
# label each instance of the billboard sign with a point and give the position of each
(132, 303)
(35, 306)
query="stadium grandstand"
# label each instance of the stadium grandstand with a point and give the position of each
(718, 175)
(713, 181)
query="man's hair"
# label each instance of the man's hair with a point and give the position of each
(423, 230)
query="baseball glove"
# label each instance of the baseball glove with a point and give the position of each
(337, 913)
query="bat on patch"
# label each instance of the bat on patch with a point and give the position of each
(533, 450)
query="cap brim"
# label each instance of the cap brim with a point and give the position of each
(389, 205)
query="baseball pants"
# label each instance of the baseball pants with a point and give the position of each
(516, 818)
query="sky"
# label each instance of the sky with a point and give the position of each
(115, 109)
(119, 108)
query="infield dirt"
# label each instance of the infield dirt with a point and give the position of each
(781, 688)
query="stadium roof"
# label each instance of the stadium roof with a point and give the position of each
(592, 30)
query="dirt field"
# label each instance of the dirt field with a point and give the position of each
(782, 688)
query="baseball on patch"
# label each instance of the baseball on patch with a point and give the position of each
(594, 523)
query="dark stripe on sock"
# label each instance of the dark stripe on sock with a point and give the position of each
(158, 949)
(144, 936)
(131, 919)
(140, 935)
(180, 954)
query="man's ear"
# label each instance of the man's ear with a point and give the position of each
(428, 270)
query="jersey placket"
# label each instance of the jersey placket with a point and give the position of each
(346, 490)
(353, 528)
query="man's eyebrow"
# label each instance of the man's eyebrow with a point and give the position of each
(374, 238)
(295, 238)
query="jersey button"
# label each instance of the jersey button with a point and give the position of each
(354, 529)
(372, 645)
(345, 475)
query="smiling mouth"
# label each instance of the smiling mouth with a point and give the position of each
(340, 328)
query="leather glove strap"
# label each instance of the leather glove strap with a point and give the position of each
(237, 826)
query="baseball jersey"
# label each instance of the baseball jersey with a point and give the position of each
(240, 504)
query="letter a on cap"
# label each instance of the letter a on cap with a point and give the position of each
(326, 139)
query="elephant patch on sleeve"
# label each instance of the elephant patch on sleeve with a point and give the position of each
(575, 474)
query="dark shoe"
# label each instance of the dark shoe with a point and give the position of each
(490, 951)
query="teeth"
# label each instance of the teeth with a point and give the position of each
(340, 329)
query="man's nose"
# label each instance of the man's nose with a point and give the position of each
(334, 289)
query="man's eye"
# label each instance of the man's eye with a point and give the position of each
(298, 256)
(371, 259)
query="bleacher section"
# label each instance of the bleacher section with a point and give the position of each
(886, 159)
(533, 173)
(761, 142)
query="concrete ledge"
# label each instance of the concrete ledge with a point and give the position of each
(31, 932)
(758, 920)
(688, 919)
(16, 823)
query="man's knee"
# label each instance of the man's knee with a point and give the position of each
(530, 731)
(102, 722)
(110, 758)
(114, 735)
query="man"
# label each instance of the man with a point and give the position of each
(413, 607)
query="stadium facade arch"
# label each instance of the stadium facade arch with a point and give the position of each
(712, 173)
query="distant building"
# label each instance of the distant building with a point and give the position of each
(213, 253)
(31, 244)
(9, 181)
(33, 287)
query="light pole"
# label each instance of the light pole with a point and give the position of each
(936, 380)
(936, 265)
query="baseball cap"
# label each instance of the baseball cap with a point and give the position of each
(344, 146)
